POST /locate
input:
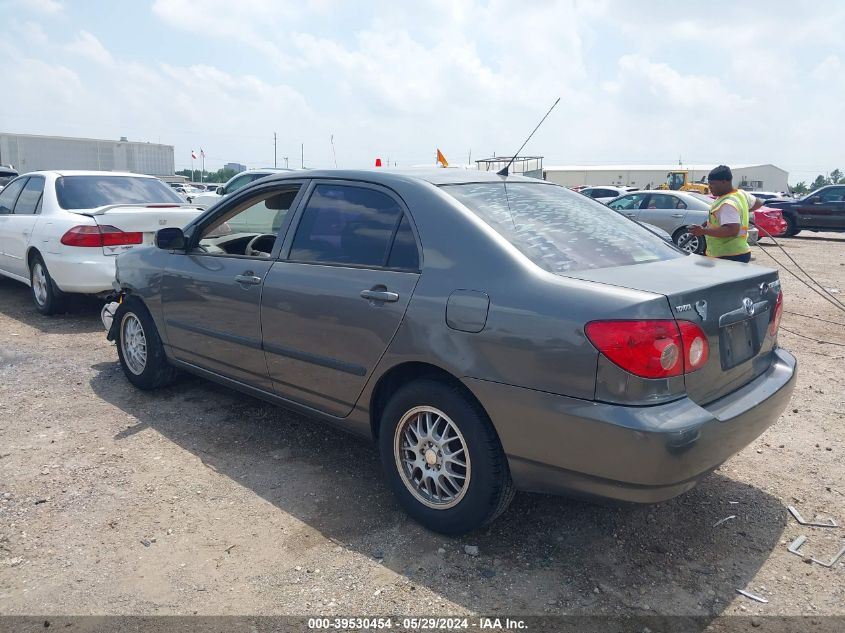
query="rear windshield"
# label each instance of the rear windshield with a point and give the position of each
(90, 192)
(560, 230)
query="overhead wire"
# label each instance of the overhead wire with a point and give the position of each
(826, 295)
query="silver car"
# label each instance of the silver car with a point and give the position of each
(672, 211)
(489, 334)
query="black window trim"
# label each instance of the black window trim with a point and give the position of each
(25, 179)
(362, 184)
(194, 230)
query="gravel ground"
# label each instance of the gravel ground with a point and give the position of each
(196, 499)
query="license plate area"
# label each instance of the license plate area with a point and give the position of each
(738, 343)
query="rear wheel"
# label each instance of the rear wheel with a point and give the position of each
(689, 242)
(139, 347)
(791, 226)
(46, 296)
(443, 458)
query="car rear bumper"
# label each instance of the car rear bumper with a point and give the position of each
(563, 445)
(88, 272)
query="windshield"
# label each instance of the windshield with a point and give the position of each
(90, 192)
(559, 230)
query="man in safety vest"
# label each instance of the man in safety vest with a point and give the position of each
(726, 229)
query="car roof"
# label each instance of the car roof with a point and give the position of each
(433, 175)
(83, 172)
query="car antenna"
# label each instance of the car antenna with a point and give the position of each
(504, 170)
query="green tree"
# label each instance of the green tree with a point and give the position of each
(801, 188)
(837, 177)
(819, 182)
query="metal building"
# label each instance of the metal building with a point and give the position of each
(28, 152)
(751, 177)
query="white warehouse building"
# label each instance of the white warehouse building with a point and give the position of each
(30, 152)
(749, 177)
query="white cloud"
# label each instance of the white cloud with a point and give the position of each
(46, 7)
(398, 80)
(88, 46)
(31, 33)
(668, 87)
(829, 68)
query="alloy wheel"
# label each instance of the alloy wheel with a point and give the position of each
(133, 342)
(39, 283)
(432, 457)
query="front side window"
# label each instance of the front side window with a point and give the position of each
(558, 230)
(10, 194)
(249, 229)
(29, 201)
(344, 224)
(627, 203)
(834, 194)
(90, 192)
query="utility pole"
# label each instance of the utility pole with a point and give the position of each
(285, 158)
(275, 162)
(302, 156)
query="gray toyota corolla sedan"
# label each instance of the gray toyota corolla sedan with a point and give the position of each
(490, 333)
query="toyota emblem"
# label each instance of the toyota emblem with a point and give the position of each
(748, 304)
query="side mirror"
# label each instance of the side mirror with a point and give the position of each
(220, 191)
(171, 239)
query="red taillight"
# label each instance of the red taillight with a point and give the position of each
(776, 314)
(651, 349)
(97, 236)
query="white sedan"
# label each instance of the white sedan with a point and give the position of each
(61, 230)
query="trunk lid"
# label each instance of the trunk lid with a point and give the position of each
(141, 218)
(732, 303)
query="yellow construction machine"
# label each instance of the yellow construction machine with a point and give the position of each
(679, 181)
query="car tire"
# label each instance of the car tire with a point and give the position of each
(46, 296)
(435, 424)
(791, 228)
(139, 347)
(696, 245)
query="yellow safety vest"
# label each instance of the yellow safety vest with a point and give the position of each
(725, 246)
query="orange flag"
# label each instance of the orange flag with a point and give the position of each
(442, 159)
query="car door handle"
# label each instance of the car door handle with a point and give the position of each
(248, 279)
(379, 295)
(631, 215)
(677, 215)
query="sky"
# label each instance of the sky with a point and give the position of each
(652, 81)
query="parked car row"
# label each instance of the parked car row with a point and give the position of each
(487, 335)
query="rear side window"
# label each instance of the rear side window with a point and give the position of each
(9, 196)
(404, 253)
(30, 199)
(664, 201)
(344, 224)
(90, 192)
(559, 230)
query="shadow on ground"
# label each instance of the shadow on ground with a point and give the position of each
(82, 314)
(545, 555)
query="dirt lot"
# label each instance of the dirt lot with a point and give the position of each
(196, 499)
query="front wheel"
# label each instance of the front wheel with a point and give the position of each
(791, 226)
(139, 347)
(688, 242)
(443, 458)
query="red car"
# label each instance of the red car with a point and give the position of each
(769, 222)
